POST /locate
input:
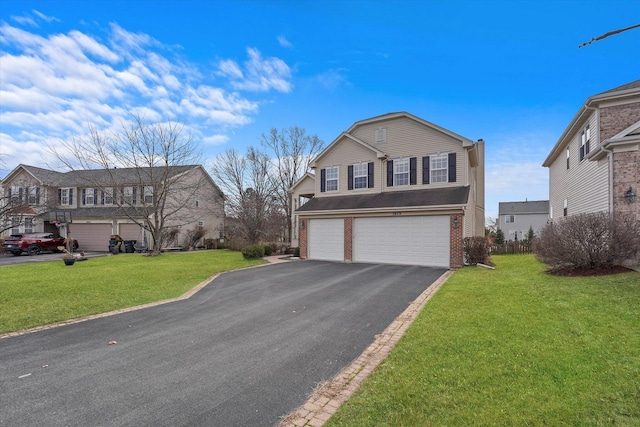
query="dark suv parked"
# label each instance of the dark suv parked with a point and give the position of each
(34, 243)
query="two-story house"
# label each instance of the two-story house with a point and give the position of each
(392, 189)
(595, 165)
(516, 218)
(101, 203)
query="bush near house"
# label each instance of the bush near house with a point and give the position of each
(475, 250)
(253, 251)
(589, 241)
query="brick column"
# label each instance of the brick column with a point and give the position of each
(626, 173)
(456, 256)
(302, 236)
(348, 239)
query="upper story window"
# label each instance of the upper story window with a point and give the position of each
(509, 219)
(565, 208)
(329, 179)
(148, 195)
(401, 171)
(89, 196)
(34, 195)
(107, 196)
(585, 142)
(129, 195)
(15, 194)
(439, 168)
(65, 196)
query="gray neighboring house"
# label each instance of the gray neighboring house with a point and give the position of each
(515, 218)
(92, 197)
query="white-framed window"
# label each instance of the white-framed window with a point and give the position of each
(332, 178)
(401, 171)
(568, 152)
(200, 224)
(107, 196)
(439, 168)
(565, 209)
(15, 224)
(66, 196)
(89, 196)
(360, 174)
(127, 195)
(34, 195)
(28, 225)
(509, 219)
(15, 194)
(585, 142)
(148, 195)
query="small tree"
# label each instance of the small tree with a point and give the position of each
(194, 235)
(531, 235)
(589, 241)
(499, 237)
(475, 250)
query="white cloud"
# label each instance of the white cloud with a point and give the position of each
(332, 79)
(284, 42)
(53, 86)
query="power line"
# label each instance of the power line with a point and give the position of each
(610, 33)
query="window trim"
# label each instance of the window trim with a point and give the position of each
(507, 217)
(433, 160)
(360, 170)
(404, 162)
(329, 170)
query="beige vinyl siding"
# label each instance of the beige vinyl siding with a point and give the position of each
(585, 185)
(405, 138)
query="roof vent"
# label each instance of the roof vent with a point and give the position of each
(381, 134)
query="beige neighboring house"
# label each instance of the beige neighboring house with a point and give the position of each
(595, 165)
(89, 196)
(392, 189)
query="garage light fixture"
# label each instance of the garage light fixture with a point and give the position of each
(630, 196)
(456, 222)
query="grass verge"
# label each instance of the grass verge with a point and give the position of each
(41, 293)
(512, 346)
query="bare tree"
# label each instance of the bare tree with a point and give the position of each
(292, 150)
(157, 159)
(250, 190)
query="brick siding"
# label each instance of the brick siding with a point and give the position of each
(348, 239)
(626, 173)
(456, 259)
(302, 236)
(614, 120)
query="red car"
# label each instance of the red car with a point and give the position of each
(34, 243)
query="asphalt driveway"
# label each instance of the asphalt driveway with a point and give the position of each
(245, 351)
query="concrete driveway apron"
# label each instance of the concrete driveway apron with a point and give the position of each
(244, 351)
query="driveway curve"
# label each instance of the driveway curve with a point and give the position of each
(244, 351)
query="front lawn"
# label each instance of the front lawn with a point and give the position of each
(41, 293)
(512, 346)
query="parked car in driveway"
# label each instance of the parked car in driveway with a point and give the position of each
(35, 243)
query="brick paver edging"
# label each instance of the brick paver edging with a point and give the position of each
(327, 397)
(186, 295)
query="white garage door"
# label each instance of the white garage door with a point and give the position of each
(91, 237)
(326, 239)
(411, 240)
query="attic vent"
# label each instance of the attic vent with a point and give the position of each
(381, 134)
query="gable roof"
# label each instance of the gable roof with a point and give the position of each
(379, 154)
(627, 90)
(526, 207)
(465, 141)
(429, 198)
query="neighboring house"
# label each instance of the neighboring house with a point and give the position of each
(516, 218)
(392, 189)
(91, 198)
(595, 165)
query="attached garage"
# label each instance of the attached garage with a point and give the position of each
(91, 237)
(326, 239)
(411, 240)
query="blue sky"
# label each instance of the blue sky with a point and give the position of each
(509, 72)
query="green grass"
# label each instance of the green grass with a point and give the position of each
(41, 293)
(512, 347)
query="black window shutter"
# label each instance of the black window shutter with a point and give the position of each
(323, 180)
(20, 194)
(95, 196)
(350, 177)
(452, 167)
(413, 171)
(84, 196)
(389, 173)
(370, 175)
(59, 196)
(425, 169)
(134, 195)
(37, 195)
(71, 196)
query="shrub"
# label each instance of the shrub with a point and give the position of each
(296, 252)
(475, 250)
(253, 251)
(268, 250)
(499, 237)
(587, 241)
